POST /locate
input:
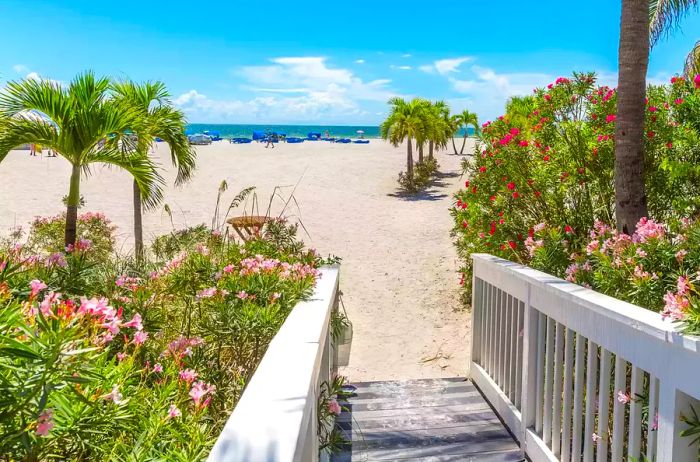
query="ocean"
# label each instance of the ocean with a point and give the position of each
(246, 130)
(236, 130)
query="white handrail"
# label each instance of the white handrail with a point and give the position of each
(558, 339)
(275, 418)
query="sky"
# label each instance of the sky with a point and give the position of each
(324, 62)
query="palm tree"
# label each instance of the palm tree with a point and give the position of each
(630, 192)
(441, 128)
(692, 62)
(81, 123)
(405, 123)
(466, 119)
(159, 119)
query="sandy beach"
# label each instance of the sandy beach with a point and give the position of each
(398, 273)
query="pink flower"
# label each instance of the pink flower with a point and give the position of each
(50, 299)
(655, 422)
(680, 255)
(683, 285)
(115, 396)
(275, 296)
(188, 375)
(199, 390)
(648, 229)
(158, 368)
(206, 293)
(113, 326)
(136, 322)
(121, 356)
(242, 295)
(334, 407)
(228, 269)
(36, 286)
(623, 397)
(539, 227)
(678, 101)
(595, 437)
(140, 337)
(610, 118)
(696, 81)
(83, 244)
(653, 109)
(44, 423)
(173, 412)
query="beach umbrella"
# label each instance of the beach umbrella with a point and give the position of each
(361, 132)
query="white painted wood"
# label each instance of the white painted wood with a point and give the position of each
(603, 405)
(557, 397)
(476, 330)
(579, 368)
(519, 356)
(537, 451)
(488, 331)
(497, 399)
(639, 336)
(634, 440)
(548, 383)
(652, 422)
(494, 330)
(591, 383)
(539, 398)
(568, 395)
(502, 330)
(287, 432)
(510, 346)
(618, 436)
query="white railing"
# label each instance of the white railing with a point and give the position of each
(276, 418)
(551, 357)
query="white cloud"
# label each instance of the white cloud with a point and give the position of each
(445, 66)
(403, 68)
(428, 68)
(359, 61)
(20, 68)
(33, 76)
(292, 89)
(406, 55)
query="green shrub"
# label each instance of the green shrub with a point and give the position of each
(46, 235)
(558, 169)
(422, 176)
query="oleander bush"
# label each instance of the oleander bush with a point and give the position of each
(116, 359)
(538, 192)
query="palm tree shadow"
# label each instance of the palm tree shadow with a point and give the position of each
(433, 192)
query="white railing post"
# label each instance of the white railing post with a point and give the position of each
(529, 369)
(477, 314)
(671, 447)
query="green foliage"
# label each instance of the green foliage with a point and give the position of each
(330, 434)
(165, 247)
(114, 359)
(94, 229)
(558, 169)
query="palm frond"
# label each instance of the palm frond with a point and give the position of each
(665, 16)
(17, 131)
(692, 62)
(141, 167)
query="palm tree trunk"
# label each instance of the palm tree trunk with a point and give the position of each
(630, 193)
(409, 159)
(72, 206)
(454, 146)
(464, 142)
(420, 153)
(431, 146)
(138, 223)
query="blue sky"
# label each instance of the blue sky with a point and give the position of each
(324, 62)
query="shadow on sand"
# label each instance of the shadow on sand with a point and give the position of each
(434, 192)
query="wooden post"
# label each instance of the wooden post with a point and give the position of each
(528, 369)
(671, 446)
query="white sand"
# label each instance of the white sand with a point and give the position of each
(399, 267)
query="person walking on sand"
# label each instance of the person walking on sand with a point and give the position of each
(270, 143)
(32, 149)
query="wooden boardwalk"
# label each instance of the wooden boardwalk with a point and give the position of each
(429, 420)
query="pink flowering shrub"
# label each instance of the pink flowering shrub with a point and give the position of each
(100, 358)
(657, 267)
(554, 164)
(95, 231)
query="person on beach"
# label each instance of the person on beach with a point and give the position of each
(32, 149)
(268, 136)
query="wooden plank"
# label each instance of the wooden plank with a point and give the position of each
(591, 404)
(618, 436)
(634, 442)
(548, 383)
(568, 395)
(519, 352)
(604, 405)
(507, 347)
(652, 423)
(539, 398)
(579, 368)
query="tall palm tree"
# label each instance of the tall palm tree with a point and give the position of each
(80, 122)
(467, 119)
(441, 128)
(692, 62)
(630, 192)
(159, 119)
(405, 123)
